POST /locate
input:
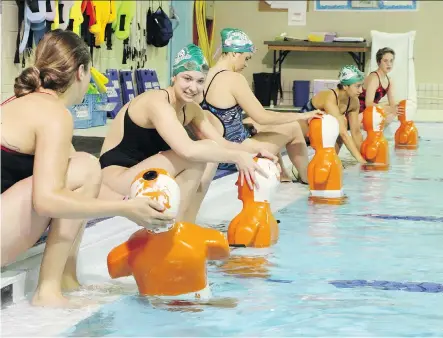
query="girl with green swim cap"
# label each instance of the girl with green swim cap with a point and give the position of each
(190, 58)
(343, 103)
(149, 132)
(228, 95)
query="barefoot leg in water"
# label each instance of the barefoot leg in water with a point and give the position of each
(59, 268)
(284, 175)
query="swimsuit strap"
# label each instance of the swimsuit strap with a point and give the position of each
(349, 100)
(379, 81)
(210, 83)
(184, 108)
(336, 96)
(347, 108)
(167, 94)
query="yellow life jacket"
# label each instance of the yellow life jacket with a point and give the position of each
(102, 16)
(125, 14)
(76, 14)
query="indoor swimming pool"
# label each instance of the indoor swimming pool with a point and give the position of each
(370, 267)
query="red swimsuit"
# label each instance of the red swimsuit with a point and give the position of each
(379, 94)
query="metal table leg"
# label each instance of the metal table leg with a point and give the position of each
(282, 55)
(275, 61)
(360, 59)
(279, 60)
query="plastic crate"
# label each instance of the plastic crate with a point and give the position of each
(92, 112)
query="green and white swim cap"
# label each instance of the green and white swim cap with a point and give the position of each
(190, 58)
(235, 40)
(350, 74)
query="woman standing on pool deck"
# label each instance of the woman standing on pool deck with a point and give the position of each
(343, 104)
(44, 181)
(149, 132)
(377, 85)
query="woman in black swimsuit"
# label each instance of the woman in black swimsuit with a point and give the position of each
(342, 103)
(44, 181)
(150, 131)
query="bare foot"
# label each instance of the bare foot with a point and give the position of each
(54, 300)
(49, 300)
(285, 178)
(70, 283)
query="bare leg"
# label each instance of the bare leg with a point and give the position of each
(20, 230)
(338, 144)
(106, 193)
(389, 119)
(60, 255)
(69, 277)
(298, 153)
(274, 138)
(208, 176)
(188, 176)
(284, 176)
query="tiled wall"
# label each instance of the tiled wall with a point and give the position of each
(103, 58)
(430, 95)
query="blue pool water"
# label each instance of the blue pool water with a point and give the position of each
(390, 230)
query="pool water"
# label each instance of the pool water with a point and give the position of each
(391, 229)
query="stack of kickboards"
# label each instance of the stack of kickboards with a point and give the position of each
(121, 89)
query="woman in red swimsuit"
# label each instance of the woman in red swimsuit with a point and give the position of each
(377, 85)
(44, 181)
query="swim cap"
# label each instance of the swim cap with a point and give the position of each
(235, 40)
(349, 75)
(190, 58)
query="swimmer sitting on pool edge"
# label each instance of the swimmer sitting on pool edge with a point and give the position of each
(45, 182)
(149, 132)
